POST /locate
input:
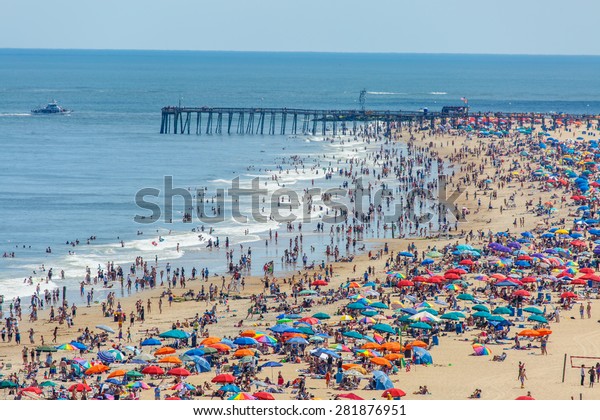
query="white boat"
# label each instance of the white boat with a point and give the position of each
(51, 108)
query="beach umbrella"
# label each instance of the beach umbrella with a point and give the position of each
(405, 283)
(480, 350)
(175, 334)
(521, 292)
(307, 292)
(105, 328)
(327, 352)
(380, 361)
(568, 295)
(78, 345)
(457, 313)
(267, 339)
(210, 340)
(481, 314)
(242, 396)
(261, 395)
(79, 387)
(450, 316)
(544, 331)
(416, 343)
(245, 341)
(223, 378)
(179, 372)
(171, 359)
(392, 346)
(95, 369)
(7, 384)
(32, 389)
(297, 340)
(321, 315)
(350, 396)
(524, 397)
(106, 356)
(538, 318)
(480, 308)
(406, 254)
(393, 392)
(117, 373)
(164, 350)
(346, 318)
(223, 348)
(195, 352)
(134, 374)
(151, 342)
(533, 310)
(138, 385)
(352, 334)
(529, 333)
(501, 310)
(49, 384)
(230, 388)
(465, 296)
(384, 328)
(420, 325)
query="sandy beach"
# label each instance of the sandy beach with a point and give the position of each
(455, 372)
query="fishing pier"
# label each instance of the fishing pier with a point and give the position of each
(282, 121)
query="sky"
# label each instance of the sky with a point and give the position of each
(416, 26)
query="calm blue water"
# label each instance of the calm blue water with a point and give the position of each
(69, 177)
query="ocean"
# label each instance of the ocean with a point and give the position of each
(71, 177)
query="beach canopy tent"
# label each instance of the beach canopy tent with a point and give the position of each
(382, 381)
(422, 356)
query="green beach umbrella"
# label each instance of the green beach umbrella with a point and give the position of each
(481, 314)
(465, 296)
(284, 320)
(480, 308)
(379, 305)
(177, 334)
(368, 312)
(502, 310)
(458, 314)
(435, 254)
(405, 319)
(496, 318)
(321, 315)
(353, 334)
(306, 330)
(48, 383)
(134, 374)
(538, 318)
(450, 316)
(420, 325)
(384, 328)
(7, 384)
(308, 292)
(533, 310)
(356, 305)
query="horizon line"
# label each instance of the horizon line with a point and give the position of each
(298, 51)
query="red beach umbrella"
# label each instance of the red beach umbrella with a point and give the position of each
(521, 293)
(568, 295)
(263, 395)
(393, 392)
(223, 378)
(405, 283)
(79, 387)
(524, 397)
(33, 389)
(179, 372)
(153, 370)
(319, 283)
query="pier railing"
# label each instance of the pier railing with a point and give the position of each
(271, 121)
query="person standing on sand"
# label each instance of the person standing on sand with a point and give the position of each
(544, 344)
(582, 375)
(581, 310)
(589, 310)
(522, 377)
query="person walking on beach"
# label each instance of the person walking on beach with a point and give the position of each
(581, 310)
(522, 377)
